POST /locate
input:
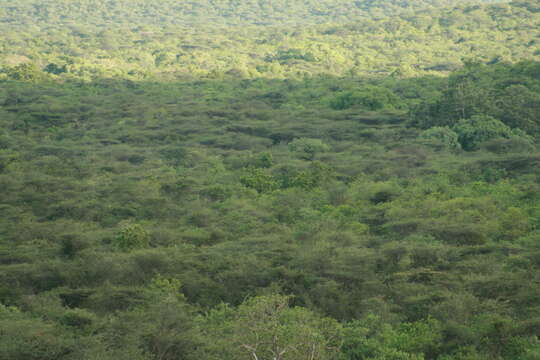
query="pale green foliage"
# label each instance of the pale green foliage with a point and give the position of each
(409, 341)
(247, 12)
(267, 328)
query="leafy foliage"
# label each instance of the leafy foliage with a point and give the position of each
(478, 129)
(140, 40)
(441, 137)
(485, 90)
(181, 190)
(307, 148)
(132, 236)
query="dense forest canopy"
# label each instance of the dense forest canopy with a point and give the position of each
(425, 42)
(270, 180)
(207, 12)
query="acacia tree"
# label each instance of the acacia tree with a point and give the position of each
(266, 328)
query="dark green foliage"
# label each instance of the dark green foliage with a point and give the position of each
(480, 128)
(55, 69)
(25, 72)
(442, 138)
(77, 318)
(307, 148)
(259, 180)
(177, 189)
(349, 211)
(509, 94)
(263, 160)
(131, 236)
(24, 337)
(513, 144)
(369, 98)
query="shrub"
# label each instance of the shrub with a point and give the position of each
(263, 160)
(131, 236)
(25, 72)
(369, 98)
(504, 146)
(312, 177)
(259, 180)
(25, 338)
(481, 128)
(440, 138)
(78, 318)
(307, 148)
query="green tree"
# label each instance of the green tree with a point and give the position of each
(441, 138)
(260, 180)
(267, 327)
(519, 107)
(25, 338)
(130, 237)
(481, 128)
(25, 72)
(161, 327)
(368, 97)
(306, 148)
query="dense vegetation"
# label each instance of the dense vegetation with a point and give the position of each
(424, 42)
(174, 197)
(207, 12)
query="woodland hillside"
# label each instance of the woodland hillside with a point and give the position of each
(290, 182)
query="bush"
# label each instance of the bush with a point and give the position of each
(312, 177)
(132, 236)
(78, 318)
(307, 148)
(259, 180)
(263, 160)
(369, 98)
(25, 72)
(25, 338)
(480, 128)
(504, 146)
(440, 138)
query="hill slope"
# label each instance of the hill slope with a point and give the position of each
(173, 189)
(131, 209)
(424, 42)
(208, 12)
